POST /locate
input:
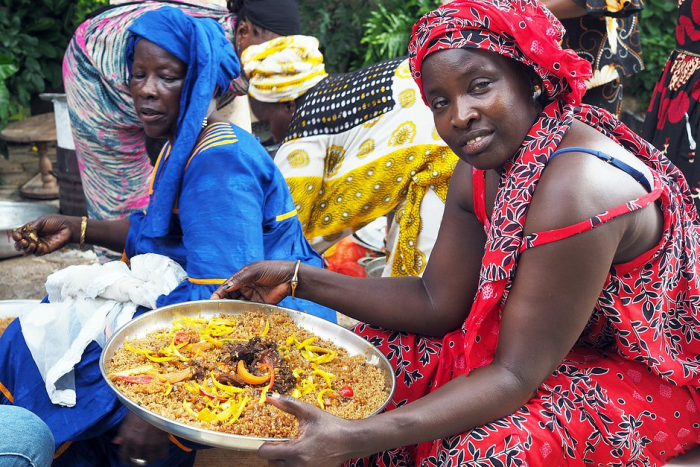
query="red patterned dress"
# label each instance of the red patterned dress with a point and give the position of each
(627, 393)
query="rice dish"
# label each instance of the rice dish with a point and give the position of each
(214, 373)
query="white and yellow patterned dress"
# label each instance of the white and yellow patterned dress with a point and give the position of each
(364, 144)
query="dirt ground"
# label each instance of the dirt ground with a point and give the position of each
(23, 277)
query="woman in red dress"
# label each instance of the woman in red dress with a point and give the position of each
(557, 321)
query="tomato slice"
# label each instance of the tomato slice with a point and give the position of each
(138, 379)
(346, 391)
(181, 337)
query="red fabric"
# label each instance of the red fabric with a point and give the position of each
(679, 252)
(595, 409)
(524, 30)
(542, 238)
(343, 256)
(479, 193)
(627, 392)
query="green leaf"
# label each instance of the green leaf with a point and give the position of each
(7, 70)
(32, 64)
(4, 102)
(47, 50)
(60, 5)
(37, 83)
(41, 24)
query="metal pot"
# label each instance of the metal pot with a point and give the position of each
(374, 267)
(16, 214)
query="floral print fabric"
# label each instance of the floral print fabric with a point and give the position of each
(361, 145)
(519, 29)
(607, 36)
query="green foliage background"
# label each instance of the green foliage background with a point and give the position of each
(356, 33)
(657, 24)
(353, 34)
(33, 37)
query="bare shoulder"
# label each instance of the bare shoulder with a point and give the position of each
(576, 186)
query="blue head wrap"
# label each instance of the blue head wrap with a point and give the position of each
(211, 61)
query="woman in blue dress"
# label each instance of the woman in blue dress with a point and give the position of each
(217, 203)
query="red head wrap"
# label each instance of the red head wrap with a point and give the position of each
(523, 30)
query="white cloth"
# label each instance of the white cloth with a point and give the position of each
(90, 302)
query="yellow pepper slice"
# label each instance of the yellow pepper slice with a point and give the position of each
(325, 375)
(307, 342)
(159, 359)
(239, 410)
(266, 329)
(206, 415)
(139, 370)
(299, 345)
(226, 387)
(227, 412)
(135, 350)
(174, 349)
(211, 340)
(313, 357)
(192, 321)
(263, 394)
(218, 330)
(315, 349)
(188, 408)
(307, 385)
(222, 322)
(320, 396)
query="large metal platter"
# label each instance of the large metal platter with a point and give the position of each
(163, 317)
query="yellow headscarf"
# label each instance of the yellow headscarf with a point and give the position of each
(284, 68)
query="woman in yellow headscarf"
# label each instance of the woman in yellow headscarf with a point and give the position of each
(354, 147)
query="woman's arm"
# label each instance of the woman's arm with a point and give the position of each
(51, 232)
(108, 234)
(432, 305)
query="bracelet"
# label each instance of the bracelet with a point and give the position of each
(83, 230)
(295, 278)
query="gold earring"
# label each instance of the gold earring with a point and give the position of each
(536, 92)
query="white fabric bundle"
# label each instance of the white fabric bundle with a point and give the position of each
(90, 302)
